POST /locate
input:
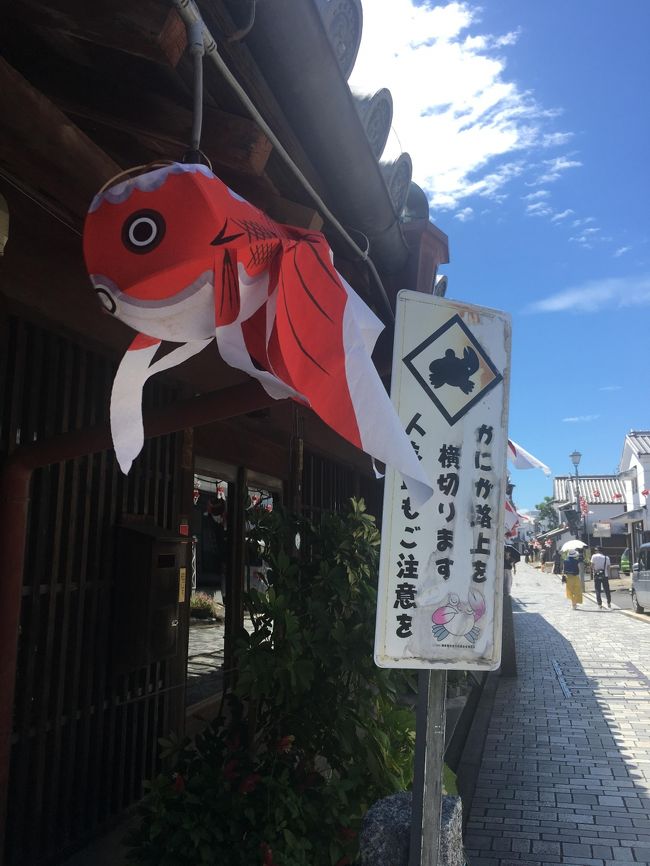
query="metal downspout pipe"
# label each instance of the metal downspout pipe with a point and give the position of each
(191, 15)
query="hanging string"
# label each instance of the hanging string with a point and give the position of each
(195, 37)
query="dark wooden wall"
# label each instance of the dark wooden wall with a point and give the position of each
(86, 732)
(85, 736)
(328, 486)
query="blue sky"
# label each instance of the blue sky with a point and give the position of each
(529, 129)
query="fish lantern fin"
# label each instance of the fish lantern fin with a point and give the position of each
(306, 348)
(321, 343)
(242, 341)
(226, 287)
(135, 368)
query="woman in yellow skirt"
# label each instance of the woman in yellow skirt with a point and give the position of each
(572, 578)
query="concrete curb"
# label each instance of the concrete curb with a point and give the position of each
(469, 765)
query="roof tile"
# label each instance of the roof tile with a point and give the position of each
(610, 488)
(639, 441)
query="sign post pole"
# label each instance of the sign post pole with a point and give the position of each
(429, 757)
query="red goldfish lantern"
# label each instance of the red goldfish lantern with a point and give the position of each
(178, 256)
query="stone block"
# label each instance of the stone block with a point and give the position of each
(386, 832)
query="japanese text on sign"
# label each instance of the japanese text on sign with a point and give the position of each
(441, 565)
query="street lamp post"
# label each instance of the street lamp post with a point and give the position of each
(575, 459)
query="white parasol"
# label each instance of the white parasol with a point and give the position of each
(574, 544)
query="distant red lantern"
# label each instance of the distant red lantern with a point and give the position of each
(617, 495)
(596, 492)
(645, 492)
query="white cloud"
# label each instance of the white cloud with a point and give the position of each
(583, 222)
(535, 196)
(608, 293)
(467, 213)
(508, 38)
(543, 208)
(562, 215)
(611, 388)
(621, 250)
(555, 168)
(489, 185)
(588, 237)
(556, 139)
(577, 419)
(539, 208)
(456, 111)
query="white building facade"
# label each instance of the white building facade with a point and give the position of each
(634, 474)
(603, 497)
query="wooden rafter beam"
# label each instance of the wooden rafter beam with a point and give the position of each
(164, 127)
(147, 28)
(44, 149)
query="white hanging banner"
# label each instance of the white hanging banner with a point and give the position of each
(441, 570)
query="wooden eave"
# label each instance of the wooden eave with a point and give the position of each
(134, 102)
(86, 91)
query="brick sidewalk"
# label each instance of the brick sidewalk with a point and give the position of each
(565, 775)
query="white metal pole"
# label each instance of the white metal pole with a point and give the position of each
(429, 760)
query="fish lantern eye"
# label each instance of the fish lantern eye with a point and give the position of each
(143, 231)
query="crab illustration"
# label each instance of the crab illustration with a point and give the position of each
(459, 618)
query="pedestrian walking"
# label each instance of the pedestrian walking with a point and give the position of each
(542, 558)
(511, 557)
(572, 579)
(557, 562)
(581, 568)
(600, 570)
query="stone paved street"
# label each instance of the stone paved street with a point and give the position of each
(204, 661)
(205, 656)
(565, 776)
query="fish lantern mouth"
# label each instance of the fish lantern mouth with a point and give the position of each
(106, 299)
(108, 294)
(178, 318)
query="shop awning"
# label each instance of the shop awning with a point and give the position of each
(628, 516)
(553, 532)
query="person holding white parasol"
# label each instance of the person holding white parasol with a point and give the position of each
(572, 572)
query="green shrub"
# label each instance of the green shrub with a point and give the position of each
(312, 733)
